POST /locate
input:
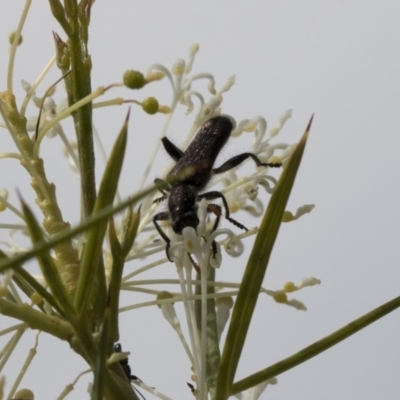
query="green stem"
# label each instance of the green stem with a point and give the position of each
(66, 257)
(78, 87)
(212, 348)
(37, 320)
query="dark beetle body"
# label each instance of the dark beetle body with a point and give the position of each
(182, 205)
(203, 151)
(198, 159)
(195, 166)
(124, 363)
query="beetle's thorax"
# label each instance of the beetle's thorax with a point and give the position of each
(183, 208)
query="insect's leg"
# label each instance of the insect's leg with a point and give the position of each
(165, 189)
(195, 265)
(135, 378)
(175, 152)
(216, 210)
(235, 161)
(163, 216)
(219, 195)
(160, 199)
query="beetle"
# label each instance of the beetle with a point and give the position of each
(124, 363)
(192, 172)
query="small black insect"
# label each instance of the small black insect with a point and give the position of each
(191, 387)
(196, 166)
(124, 363)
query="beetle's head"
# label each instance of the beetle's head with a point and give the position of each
(183, 219)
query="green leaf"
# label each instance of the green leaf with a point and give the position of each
(47, 265)
(58, 12)
(100, 365)
(92, 256)
(67, 234)
(119, 254)
(130, 231)
(316, 348)
(254, 274)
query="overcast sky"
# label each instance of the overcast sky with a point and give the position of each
(339, 60)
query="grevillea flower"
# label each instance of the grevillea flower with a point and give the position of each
(55, 293)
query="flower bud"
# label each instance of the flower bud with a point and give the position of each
(150, 105)
(36, 298)
(134, 79)
(24, 394)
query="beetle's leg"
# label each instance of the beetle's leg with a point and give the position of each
(218, 195)
(175, 152)
(235, 161)
(165, 189)
(216, 210)
(160, 199)
(195, 265)
(163, 216)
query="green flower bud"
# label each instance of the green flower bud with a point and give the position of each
(36, 298)
(280, 297)
(134, 79)
(24, 394)
(62, 53)
(164, 295)
(150, 105)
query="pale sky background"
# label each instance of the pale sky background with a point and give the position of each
(337, 59)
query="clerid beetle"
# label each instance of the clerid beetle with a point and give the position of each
(193, 170)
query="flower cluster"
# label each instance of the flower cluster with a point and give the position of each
(196, 253)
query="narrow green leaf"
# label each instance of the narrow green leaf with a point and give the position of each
(316, 348)
(130, 231)
(110, 180)
(58, 12)
(49, 269)
(90, 273)
(115, 282)
(100, 365)
(23, 277)
(255, 271)
(115, 245)
(28, 284)
(119, 254)
(67, 234)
